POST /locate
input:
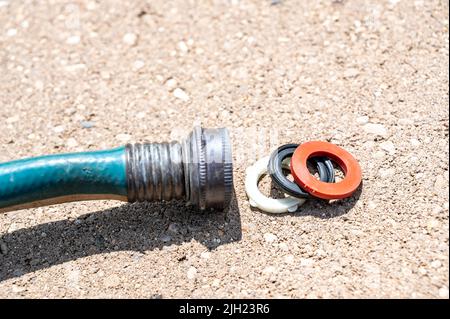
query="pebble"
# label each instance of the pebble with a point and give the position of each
(413, 159)
(357, 232)
(13, 227)
(72, 40)
(17, 289)
(386, 172)
(306, 262)
(283, 246)
(422, 271)
(173, 228)
(3, 248)
(415, 142)
(87, 124)
(377, 93)
(18, 272)
(394, 2)
(205, 255)
(378, 154)
(351, 73)
(123, 137)
(369, 144)
(105, 75)
(58, 129)
(112, 281)
(289, 259)
(405, 121)
(372, 205)
(182, 46)
(388, 147)
(39, 85)
(129, 39)
(75, 67)
(73, 277)
(181, 94)
(71, 142)
(436, 264)
(376, 129)
(321, 253)
(166, 238)
(269, 270)
(270, 238)
(12, 119)
(439, 183)
(433, 223)
(390, 98)
(141, 115)
(171, 83)
(138, 64)
(362, 120)
(192, 272)
(11, 32)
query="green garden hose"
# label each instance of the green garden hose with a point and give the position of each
(199, 170)
(60, 178)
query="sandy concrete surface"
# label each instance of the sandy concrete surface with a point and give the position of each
(370, 76)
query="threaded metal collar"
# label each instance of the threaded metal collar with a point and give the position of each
(199, 169)
(208, 168)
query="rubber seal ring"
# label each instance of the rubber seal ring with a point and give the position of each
(275, 170)
(341, 157)
(259, 200)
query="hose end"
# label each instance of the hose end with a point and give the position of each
(208, 168)
(199, 170)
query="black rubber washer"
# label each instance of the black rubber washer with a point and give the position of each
(275, 170)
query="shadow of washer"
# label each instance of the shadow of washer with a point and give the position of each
(138, 227)
(317, 207)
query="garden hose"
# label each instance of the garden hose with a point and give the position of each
(199, 170)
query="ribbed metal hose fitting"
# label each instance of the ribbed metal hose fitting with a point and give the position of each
(199, 170)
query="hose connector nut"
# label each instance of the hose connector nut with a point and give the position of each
(208, 168)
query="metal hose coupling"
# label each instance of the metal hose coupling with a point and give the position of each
(198, 169)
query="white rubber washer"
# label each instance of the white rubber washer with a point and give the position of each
(257, 199)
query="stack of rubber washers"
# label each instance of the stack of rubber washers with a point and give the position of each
(295, 157)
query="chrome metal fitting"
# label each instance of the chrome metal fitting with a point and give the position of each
(199, 170)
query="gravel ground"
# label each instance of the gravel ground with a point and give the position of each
(370, 77)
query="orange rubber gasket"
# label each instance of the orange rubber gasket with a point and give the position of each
(341, 157)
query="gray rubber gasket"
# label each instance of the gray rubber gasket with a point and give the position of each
(275, 170)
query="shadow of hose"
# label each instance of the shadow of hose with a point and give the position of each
(132, 227)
